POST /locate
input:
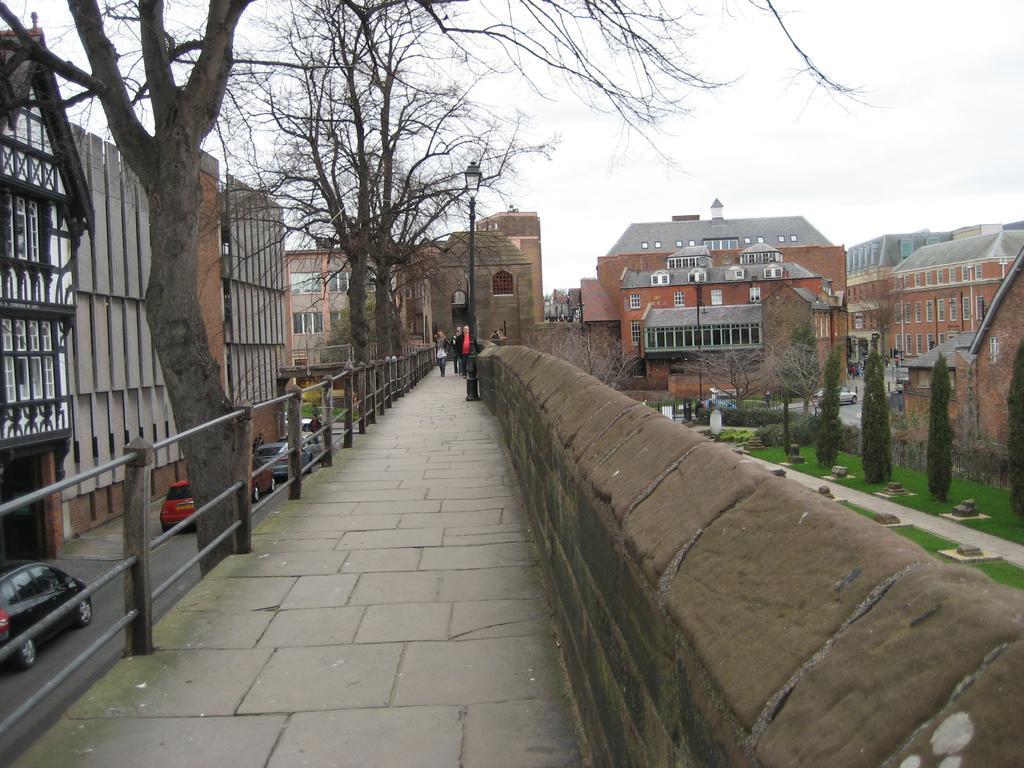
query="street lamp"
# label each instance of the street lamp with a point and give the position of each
(473, 177)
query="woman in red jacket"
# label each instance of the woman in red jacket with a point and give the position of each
(464, 351)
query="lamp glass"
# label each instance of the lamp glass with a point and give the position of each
(473, 177)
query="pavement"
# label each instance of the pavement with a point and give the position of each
(940, 526)
(394, 616)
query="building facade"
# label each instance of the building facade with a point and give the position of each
(44, 210)
(945, 289)
(317, 297)
(523, 229)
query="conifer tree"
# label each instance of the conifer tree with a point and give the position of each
(1015, 440)
(876, 439)
(940, 433)
(829, 426)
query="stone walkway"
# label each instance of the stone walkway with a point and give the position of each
(393, 617)
(940, 526)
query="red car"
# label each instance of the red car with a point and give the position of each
(179, 503)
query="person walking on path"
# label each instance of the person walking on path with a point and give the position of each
(464, 350)
(457, 350)
(441, 350)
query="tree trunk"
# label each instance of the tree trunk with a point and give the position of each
(386, 313)
(357, 309)
(192, 375)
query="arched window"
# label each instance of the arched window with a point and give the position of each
(459, 298)
(502, 284)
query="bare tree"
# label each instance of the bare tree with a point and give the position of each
(881, 306)
(600, 356)
(741, 372)
(373, 139)
(796, 365)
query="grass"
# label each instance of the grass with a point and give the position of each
(994, 502)
(1001, 572)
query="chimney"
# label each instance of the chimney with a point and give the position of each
(717, 211)
(686, 217)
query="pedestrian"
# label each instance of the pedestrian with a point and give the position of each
(441, 350)
(456, 348)
(768, 399)
(464, 349)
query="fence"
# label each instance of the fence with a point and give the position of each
(377, 385)
(978, 464)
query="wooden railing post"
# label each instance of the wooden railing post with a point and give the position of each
(380, 373)
(138, 484)
(327, 437)
(243, 472)
(387, 382)
(350, 379)
(294, 439)
(362, 400)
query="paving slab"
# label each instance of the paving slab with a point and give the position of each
(151, 742)
(451, 520)
(324, 677)
(480, 619)
(519, 734)
(195, 683)
(320, 591)
(491, 584)
(312, 626)
(478, 556)
(397, 507)
(397, 587)
(211, 629)
(489, 492)
(281, 564)
(405, 537)
(237, 594)
(396, 737)
(370, 560)
(276, 545)
(472, 671)
(402, 622)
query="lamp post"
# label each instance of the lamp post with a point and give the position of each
(473, 177)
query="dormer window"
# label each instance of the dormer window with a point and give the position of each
(737, 273)
(643, 245)
(657, 243)
(679, 243)
(773, 272)
(660, 278)
(674, 263)
(698, 276)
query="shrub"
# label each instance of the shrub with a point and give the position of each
(940, 433)
(877, 447)
(830, 428)
(1015, 440)
(803, 429)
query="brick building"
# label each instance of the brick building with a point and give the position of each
(316, 297)
(946, 288)
(870, 299)
(980, 366)
(523, 229)
(44, 209)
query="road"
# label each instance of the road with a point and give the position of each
(108, 608)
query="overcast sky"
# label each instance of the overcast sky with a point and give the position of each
(935, 144)
(938, 143)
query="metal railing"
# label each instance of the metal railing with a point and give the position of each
(369, 389)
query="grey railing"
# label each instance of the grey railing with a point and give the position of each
(370, 389)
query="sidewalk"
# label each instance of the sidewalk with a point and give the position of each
(393, 617)
(941, 526)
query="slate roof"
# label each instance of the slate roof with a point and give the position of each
(889, 253)
(814, 300)
(597, 307)
(960, 343)
(669, 232)
(715, 274)
(489, 249)
(684, 316)
(1001, 245)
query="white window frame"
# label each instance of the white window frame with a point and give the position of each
(643, 245)
(634, 301)
(993, 348)
(679, 299)
(966, 307)
(634, 329)
(698, 275)
(953, 309)
(716, 297)
(755, 294)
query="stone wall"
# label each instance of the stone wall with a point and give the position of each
(712, 614)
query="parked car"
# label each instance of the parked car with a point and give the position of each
(179, 503)
(29, 592)
(279, 451)
(846, 397)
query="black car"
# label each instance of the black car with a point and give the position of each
(279, 453)
(28, 593)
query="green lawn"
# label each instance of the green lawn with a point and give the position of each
(994, 502)
(1003, 573)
